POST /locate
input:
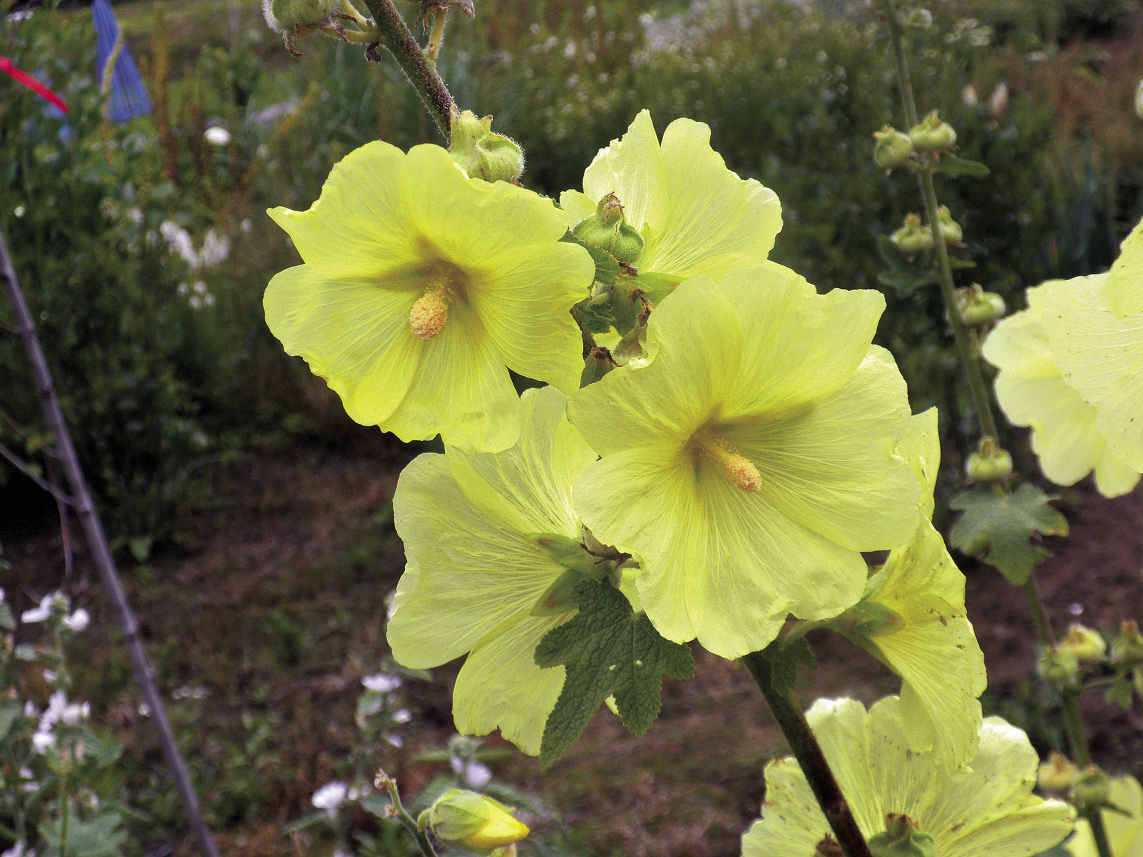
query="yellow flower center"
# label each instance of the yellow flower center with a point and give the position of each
(428, 316)
(739, 470)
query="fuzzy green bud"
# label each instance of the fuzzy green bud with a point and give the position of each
(932, 134)
(1058, 667)
(912, 237)
(608, 230)
(989, 463)
(892, 148)
(978, 307)
(481, 152)
(1087, 645)
(1127, 648)
(902, 839)
(1091, 789)
(1057, 773)
(473, 821)
(949, 228)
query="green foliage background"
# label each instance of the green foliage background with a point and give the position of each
(158, 388)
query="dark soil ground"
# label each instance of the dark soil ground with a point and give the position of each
(279, 611)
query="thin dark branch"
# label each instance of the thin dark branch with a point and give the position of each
(101, 552)
(25, 468)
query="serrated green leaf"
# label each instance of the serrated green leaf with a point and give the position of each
(1000, 529)
(594, 317)
(901, 274)
(607, 650)
(1119, 691)
(950, 165)
(100, 837)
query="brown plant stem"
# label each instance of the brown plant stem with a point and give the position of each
(810, 758)
(398, 40)
(101, 552)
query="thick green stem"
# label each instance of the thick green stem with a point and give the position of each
(399, 41)
(1082, 754)
(1039, 618)
(809, 754)
(398, 811)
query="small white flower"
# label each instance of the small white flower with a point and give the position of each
(19, 211)
(472, 774)
(215, 249)
(18, 850)
(381, 682)
(330, 796)
(394, 740)
(1, 593)
(75, 713)
(216, 135)
(43, 741)
(30, 709)
(78, 620)
(402, 716)
(41, 613)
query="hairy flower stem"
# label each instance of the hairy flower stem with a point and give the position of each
(397, 810)
(398, 40)
(809, 754)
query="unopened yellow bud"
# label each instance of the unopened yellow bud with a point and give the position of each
(1091, 789)
(1087, 645)
(1127, 648)
(428, 316)
(477, 822)
(1056, 774)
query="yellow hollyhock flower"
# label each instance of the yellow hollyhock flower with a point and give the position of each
(748, 465)
(1124, 287)
(986, 809)
(1124, 832)
(487, 538)
(1068, 433)
(912, 618)
(420, 285)
(694, 215)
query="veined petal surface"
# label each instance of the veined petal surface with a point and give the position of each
(391, 229)
(815, 412)
(695, 215)
(1124, 286)
(476, 568)
(985, 809)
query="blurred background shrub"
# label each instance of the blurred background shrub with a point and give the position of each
(144, 248)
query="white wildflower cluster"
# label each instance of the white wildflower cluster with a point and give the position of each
(58, 604)
(377, 709)
(333, 795)
(59, 711)
(214, 250)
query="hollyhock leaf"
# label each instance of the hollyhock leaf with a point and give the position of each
(422, 287)
(999, 529)
(608, 650)
(1124, 286)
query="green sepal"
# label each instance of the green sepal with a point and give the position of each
(560, 597)
(607, 650)
(999, 529)
(607, 267)
(905, 276)
(951, 165)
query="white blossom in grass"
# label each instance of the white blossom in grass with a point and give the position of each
(381, 683)
(472, 773)
(77, 621)
(43, 741)
(330, 796)
(216, 135)
(43, 611)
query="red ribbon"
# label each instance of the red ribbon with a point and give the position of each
(32, 84)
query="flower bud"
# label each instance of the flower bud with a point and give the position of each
(949, 228)
(912, 237)
(482, 153)
(1087, 645)
(1091, 789)
(1127, 648)
(892, 148)
(609, 230)
(902, 839)
(989, 464)
(978, 307)
(295, 19)
(932, 134)
(1056, 774)
(474, 821)
(1058, 667)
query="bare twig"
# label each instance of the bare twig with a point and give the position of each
(101, 552)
